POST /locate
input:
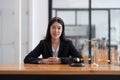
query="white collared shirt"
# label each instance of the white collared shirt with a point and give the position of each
(55, 52)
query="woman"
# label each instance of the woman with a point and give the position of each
(55, 48)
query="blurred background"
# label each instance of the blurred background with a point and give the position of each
(23, 24)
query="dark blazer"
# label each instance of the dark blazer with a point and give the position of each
(67, 52)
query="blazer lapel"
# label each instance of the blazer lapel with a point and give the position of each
(60, 48)
(49, 46)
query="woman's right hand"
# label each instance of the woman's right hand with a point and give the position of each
(44, 61)
(51, 60)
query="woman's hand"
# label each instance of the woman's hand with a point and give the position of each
(51, 60)
(54, 60)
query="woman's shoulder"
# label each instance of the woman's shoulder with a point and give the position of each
(43, 41)
(67, 41)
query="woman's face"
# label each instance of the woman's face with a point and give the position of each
(56, 30)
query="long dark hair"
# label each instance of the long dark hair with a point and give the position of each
(59, 20)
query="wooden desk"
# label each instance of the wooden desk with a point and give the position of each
(44, 70)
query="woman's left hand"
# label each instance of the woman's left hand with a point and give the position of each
(54, 60)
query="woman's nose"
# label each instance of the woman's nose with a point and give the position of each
(56, 29)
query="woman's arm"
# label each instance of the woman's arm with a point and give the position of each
(32, 57)
(72, 53)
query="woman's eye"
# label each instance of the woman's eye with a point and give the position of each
(59, 28)
(53, 27)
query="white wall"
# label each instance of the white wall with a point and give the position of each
(38, 21)
(84, 3)
(21, 22)
(9, 49)
(106, 3)
(70, 3)
(24, 29)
